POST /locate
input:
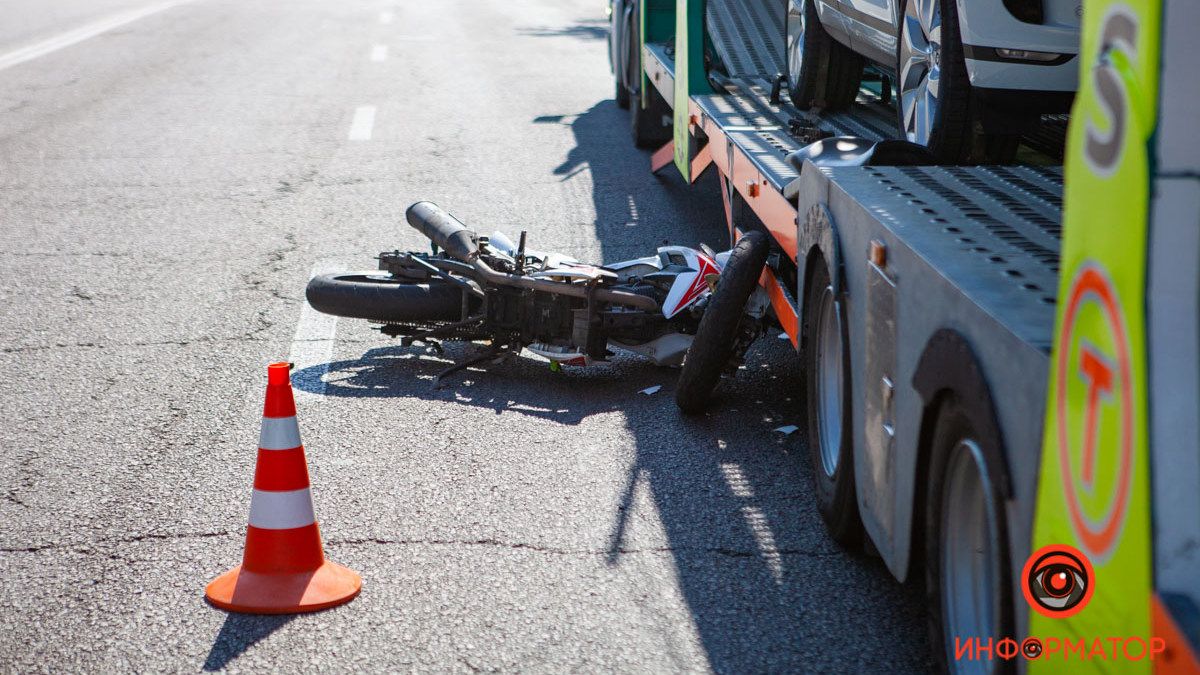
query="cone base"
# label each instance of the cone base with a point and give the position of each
(239, 590)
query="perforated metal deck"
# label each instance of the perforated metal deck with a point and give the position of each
(761, 128)
(992, 232)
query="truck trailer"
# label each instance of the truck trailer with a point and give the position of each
(1002, 361)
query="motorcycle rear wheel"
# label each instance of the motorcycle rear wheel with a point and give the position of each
(378, 296)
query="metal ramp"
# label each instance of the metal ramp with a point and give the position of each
(747, 35)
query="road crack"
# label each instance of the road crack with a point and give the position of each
(538, 548)
(87, 548)
(251, 336)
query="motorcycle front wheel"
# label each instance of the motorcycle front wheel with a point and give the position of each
(713, 347)
(378, 296)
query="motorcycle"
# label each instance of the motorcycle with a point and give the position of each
(477, 288)
(680, 302)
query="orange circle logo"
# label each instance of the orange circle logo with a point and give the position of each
(1105, 376)
(1057, 581)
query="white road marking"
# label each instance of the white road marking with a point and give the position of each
(379, 53)
(363, 123)
(312, 348)
(386, 17)
(82, 33)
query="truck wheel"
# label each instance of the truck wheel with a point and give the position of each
(934, 90)
(651, 126)
(967, 578)
(822, 72)
(713, 345)
(827, 375)
(621, 95)
(621, 34)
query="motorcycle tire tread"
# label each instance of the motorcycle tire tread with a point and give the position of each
(712, 347)
(366, 295)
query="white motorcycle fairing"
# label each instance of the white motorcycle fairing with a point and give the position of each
(691, 284)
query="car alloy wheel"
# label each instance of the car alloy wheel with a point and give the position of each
(795, 41)
(920, 68)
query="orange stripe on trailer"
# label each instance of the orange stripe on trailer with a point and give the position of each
(784, 311)
(771, 207)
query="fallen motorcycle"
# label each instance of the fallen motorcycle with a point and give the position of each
(477, 288)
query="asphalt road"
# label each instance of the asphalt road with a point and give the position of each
(167, 186)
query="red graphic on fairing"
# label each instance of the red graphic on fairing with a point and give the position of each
(694, 282)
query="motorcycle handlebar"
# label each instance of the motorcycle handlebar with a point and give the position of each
(449, 233)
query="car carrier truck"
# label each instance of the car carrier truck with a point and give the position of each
(1002, 362)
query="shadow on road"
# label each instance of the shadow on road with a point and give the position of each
(766, 587)
(593, 29)
(408, 372)
(239, 633)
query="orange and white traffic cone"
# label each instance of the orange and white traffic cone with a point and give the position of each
(283, 569)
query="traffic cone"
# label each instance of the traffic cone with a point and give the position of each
(283, 569)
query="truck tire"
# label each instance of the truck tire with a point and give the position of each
(621, 95)
(651, 126)
(821, 72)
(713, 345)
(624, 64)
(381, 297)
(967, 579)
(828, 400)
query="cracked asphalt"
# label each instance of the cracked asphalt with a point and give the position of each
(165, 189)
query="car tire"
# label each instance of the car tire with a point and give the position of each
(965, 538)
(933, 102)
(827, 401)
(997, 148)
(821, 72)
(712, 347)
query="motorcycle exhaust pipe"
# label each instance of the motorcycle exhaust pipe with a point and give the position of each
(443, 229)
(449, 233)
